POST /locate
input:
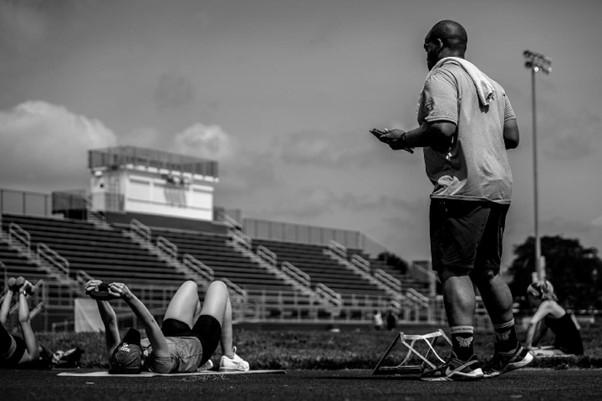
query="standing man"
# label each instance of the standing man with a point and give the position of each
(466, 123)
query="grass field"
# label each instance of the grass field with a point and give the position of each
(324, 350)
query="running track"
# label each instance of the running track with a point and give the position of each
(522, 385)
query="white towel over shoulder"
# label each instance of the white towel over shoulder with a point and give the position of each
(483, 85)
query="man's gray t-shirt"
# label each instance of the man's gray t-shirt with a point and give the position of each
(476, 166)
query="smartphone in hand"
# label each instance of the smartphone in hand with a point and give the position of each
(376, 132)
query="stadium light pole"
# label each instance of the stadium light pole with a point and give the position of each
(536, 62)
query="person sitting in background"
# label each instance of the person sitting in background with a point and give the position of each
(377, 317)
(187, 338)
(24, 351)
(550, 315)
(391, 319)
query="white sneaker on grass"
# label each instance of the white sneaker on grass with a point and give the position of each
(234, 364)
(206, 366)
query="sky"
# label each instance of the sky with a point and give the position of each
(282, 94)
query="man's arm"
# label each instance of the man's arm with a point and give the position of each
(511, 134)
(435, 134)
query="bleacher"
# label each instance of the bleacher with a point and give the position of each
(18, 265)
(312, 260)
(406, 279)
(103, 254)
(90, 253)
(213, 250)
(109, 255)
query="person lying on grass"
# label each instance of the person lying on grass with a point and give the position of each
(20, 352)
(550, 315)
(184, 342)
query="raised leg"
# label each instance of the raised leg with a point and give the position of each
(185, 304)
(217, 304)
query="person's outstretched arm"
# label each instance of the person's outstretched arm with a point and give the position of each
(108, 317)
(5, 308)
(537, 328)
(25, 322)
(153, 331)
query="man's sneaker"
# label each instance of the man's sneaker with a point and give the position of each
(504, 362)
(234, 364)
(455, 370)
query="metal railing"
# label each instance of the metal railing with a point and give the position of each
(236, 293)
(296, 274)
(388, 280)
(198, 267)
(337, 249)
(20, 239)
(329, 295)
(360, 263)
(168, 249)
(267, 255)
(50, 257)
(140, 231)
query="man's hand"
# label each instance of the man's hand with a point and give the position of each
(395, 138)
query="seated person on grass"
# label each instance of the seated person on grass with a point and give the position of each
(550, 315)
(20, 352)
(187, 338)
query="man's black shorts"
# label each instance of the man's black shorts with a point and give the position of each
(467, 234)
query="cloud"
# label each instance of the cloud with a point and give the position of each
(242, 172)
(47, 145)
(205, 141)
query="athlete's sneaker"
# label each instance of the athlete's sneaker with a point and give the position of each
(504, 362)
(455, 370)
(206, 366)
(234, 364)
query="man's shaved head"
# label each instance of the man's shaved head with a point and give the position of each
(452, 34)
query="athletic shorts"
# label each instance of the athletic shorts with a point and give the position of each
(207, 329)
(12, 351)
(467, 234)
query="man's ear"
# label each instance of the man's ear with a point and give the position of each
(439, 44)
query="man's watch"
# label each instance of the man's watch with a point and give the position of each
(402, 143)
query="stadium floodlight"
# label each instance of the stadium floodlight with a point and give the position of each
(536, 62)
